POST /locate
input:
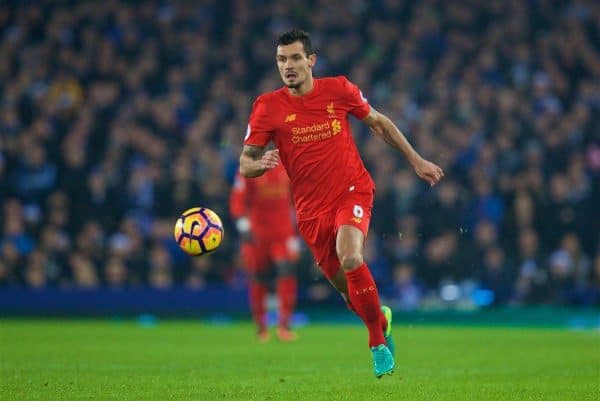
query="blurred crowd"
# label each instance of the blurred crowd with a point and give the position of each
(115, 116)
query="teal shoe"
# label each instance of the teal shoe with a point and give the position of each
(383, 361)
(389, 340)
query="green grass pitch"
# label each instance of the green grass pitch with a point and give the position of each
(188, 360)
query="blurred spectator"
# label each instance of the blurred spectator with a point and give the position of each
(443, 209)
(83, 271)
(497, 275)
(35, 175)
(11, 264)
(35, 269)
(532, 275)
(160, 273)
(115, 273)
(570, 272)
(406, 292)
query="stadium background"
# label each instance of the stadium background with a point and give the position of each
(115, 116)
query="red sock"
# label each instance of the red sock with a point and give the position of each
(287, 289)
(257, 293)
(384, 322)
(365, 301)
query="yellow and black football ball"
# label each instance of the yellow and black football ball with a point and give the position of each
(199, 231)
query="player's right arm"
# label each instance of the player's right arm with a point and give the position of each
(254, 161)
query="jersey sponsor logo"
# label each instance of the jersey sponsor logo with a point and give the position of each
(316, 132)
(336, 127)
(290, 118)
(311, 128)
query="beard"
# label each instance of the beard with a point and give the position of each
(295, 85)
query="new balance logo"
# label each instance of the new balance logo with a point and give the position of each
(290, 118)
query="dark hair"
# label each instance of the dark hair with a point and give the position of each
(296, 35)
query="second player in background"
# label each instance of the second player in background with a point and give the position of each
(262, 209)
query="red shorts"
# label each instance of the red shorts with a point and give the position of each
(320, 233)
(260, 254)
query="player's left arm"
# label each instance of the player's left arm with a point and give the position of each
(384, 128)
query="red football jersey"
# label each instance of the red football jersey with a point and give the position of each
(266, 201)
(315, 143)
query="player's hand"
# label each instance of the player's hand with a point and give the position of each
(243, 226)
(270, 159)
(428, 171)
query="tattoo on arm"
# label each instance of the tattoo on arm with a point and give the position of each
(375, 122)
(249, 161)
(385, 135)
(384, 128)
(253, 152)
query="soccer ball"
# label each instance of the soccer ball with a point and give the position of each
(198, 231)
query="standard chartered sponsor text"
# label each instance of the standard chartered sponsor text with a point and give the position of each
(310, 128)
(315, 132)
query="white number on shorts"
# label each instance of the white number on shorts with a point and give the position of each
(358, 211)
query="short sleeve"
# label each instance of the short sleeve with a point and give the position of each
(259, 130)
(357, 104)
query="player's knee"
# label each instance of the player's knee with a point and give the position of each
(351, 261)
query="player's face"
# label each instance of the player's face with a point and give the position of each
(295, 66)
